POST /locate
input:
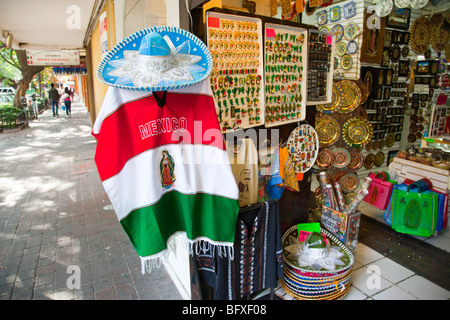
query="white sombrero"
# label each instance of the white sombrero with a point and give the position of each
(156, 59)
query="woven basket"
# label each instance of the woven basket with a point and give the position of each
(308, 272)
(306, 284)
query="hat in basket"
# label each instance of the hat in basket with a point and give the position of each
(156, 59)
(315, 257)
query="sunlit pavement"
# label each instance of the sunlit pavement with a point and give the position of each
(59, 237)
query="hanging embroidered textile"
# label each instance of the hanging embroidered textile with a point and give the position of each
(257, 262)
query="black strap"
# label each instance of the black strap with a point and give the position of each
(160, 101)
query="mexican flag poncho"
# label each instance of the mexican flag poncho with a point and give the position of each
(165, 169)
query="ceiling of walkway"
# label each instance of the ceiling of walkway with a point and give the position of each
(46, 24)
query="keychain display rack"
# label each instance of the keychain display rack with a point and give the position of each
(260, 69)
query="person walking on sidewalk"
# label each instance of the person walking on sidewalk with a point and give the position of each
(53, 95)
(67, 98)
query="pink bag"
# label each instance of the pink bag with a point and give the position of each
(379, 191)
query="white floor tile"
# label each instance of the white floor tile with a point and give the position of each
(369, 282)
(366, 255)
(354, 294)
(394, 293)
(391, 270)
(357, 265)
(424, 289)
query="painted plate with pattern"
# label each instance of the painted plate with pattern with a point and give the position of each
(357, 132)
(325, 158)
(303, 147)
(352, 47)
(341, 48)
(341, 157)
(369, 161)
(336, 100)
(328, 130)
(338, 31)
(356, 160)
(347, 62)
(352, 96)
(349, 182)
(379, 159)
(351, 31)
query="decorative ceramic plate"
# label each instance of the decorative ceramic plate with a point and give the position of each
(303, 147)
(338, 31)
(324, 29)
(341, 158)
(412, 137)
(336, 100)
(352, 47)
(347, 62)
(364, 93)
(325, 158)
(337, 176)
(349, 182)
(341, 48)
(390, 139)
(352, 96)
(369, 161)
(375, 145)
(357, 132)
(356, 160)
(369, 146)
(328, 130)
(379, 159)
(351, 31)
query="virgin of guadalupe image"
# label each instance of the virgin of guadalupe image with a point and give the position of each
(167, 167)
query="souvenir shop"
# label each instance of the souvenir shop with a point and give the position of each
(285, 123)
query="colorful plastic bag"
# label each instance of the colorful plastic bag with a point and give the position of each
(414, 212)
(379, 191)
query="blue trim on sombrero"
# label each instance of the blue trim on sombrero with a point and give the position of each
(117, 49)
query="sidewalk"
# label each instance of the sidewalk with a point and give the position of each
(54, 214)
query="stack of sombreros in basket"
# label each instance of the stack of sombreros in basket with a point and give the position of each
(317, 268)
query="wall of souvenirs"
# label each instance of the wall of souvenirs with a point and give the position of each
(400, 60)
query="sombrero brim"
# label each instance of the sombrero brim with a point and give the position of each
(348, 258)
(199, 72)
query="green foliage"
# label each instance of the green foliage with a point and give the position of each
(8, 115)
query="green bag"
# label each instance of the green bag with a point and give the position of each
(414, 212)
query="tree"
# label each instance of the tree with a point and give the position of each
(18, 60)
